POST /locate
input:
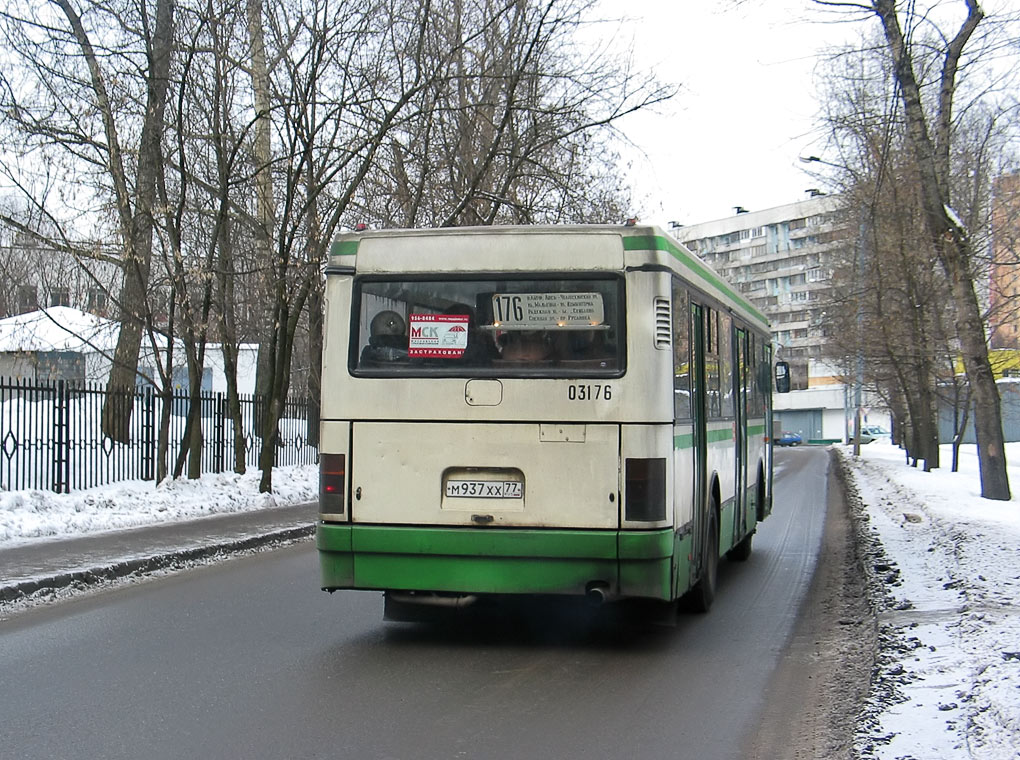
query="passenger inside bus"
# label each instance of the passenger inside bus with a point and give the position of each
(525, 346)
(581, 345)
(388, 339)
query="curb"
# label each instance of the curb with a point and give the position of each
(143, 565)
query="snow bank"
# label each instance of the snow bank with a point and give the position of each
(33, 514)
(948, 679)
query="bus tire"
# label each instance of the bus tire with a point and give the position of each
(702, 595)
(762, 508)
(742, 551)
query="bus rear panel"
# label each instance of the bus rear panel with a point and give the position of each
(499, 416)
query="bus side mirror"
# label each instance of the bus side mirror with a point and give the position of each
(782, 377)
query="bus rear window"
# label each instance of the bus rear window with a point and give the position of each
(478, 327)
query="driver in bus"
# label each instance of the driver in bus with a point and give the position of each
(582, 346)
(525, 346)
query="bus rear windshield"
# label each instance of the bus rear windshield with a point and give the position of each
(548, 327)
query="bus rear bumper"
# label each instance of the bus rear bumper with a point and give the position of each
(496, 561)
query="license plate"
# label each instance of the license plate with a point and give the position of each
(485, 489)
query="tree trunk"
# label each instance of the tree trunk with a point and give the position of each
(265, 207)
(166, 398)
(191, 439)
(315, 339)
(987, 410)
(137, 235)
(949, 239)
(959, 425)
(225, 279)
(287, 315)
(930, 428)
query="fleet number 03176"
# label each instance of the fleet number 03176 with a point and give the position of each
(589, 392)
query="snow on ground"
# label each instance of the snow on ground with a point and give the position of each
(31, 515)
(947, 679)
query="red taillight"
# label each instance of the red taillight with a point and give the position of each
(331, 484)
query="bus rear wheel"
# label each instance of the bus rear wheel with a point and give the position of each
(700, 598)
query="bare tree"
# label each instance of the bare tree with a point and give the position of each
(929, 130)
(90, 87)
(517, 132)
(223, 142)
(887, 325)
(892, 317)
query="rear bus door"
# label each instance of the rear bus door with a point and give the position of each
(698, 412)
(740, 408)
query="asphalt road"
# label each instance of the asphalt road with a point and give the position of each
(248, 659)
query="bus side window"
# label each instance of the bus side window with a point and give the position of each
(681, 353)
(712, 397)
(726, 365)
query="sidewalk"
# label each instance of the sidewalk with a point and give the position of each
(53, 564)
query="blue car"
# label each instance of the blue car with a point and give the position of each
(789, 439)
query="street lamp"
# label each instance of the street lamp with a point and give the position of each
(860, 257)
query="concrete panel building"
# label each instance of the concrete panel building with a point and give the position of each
(781, 260)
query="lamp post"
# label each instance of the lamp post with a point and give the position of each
(859, 259)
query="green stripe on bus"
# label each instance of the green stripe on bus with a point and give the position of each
(659, 243)
(686, 440)
(483, 541)
(481, 574)
(721, 434)
(344, 248)
(497, 561)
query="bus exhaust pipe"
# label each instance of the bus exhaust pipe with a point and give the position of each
(597, 593)
(453, 601)
(409, 607)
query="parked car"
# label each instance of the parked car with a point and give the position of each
(871, 433)
(789, 438)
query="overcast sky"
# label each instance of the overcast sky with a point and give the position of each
(746, 111)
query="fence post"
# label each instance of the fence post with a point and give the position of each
(148, 434)
(61, 455)
(218, 436)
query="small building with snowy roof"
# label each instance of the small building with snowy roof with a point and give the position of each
(58, 343)
(63, 343)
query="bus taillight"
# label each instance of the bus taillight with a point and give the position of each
(331, 484)
(646, 490)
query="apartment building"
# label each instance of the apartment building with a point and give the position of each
(1004, 275)
(781, 260)
(34, 276)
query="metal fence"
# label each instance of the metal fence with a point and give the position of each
(51, 439)
(1009, 407)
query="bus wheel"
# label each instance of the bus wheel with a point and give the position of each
(761, 508)
(742, 551)
(702, 595)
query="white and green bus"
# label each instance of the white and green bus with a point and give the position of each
(537, 410)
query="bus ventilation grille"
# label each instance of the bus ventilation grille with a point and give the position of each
(663, 323)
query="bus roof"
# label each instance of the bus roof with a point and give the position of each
(561, 248)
